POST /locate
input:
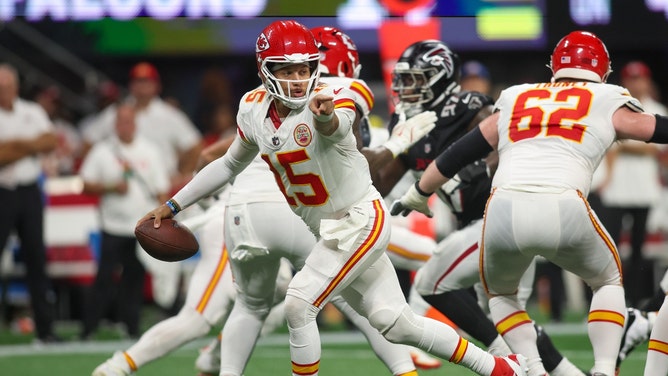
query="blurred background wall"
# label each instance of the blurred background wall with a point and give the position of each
(77, 44)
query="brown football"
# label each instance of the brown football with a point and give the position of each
(169, 242)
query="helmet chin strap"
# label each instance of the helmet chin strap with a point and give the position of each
(292, 105)
(451, 89)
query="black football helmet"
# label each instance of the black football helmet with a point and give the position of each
(426, 73)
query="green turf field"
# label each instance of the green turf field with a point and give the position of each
(343, 354)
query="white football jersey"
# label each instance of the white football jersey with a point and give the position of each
(320, 176)
(255, 183)
(552, 136)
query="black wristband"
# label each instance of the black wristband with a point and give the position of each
(468, 149)
(420, 191)
(660, 135)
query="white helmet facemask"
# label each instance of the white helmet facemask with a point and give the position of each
(274, 85)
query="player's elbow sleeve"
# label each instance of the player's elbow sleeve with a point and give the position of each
(467, 149)
(660, 135)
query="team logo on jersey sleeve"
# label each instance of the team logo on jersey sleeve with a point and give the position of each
(302, 135)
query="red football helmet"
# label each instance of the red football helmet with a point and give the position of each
(581, 55)
(339, 56)
(284, 43)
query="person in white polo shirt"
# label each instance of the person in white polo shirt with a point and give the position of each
(179, 143)
(175, 135)
(26, 134)
(127, 172)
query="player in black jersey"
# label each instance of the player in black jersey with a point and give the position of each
(426, 78)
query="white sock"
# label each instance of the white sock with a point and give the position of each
(566, 368)
(517, 329)
(606, 326)
(305, 349)
(239, 335)
(657, 360)
(168, 335)
(499, 347)
(395, 356)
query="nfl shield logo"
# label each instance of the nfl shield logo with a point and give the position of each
(274, 141)
(237, 220)
(427, 148)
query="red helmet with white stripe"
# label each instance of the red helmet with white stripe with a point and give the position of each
(580, 55)
(284, 43)
(339, 56)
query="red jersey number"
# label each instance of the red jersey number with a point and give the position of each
(319, 194)
(561, 122)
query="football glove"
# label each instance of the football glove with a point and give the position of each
(408, 132)
(412, 200)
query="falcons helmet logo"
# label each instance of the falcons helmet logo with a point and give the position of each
(440, 56)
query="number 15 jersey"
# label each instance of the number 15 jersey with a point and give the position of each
(552, 136)
(321, 177)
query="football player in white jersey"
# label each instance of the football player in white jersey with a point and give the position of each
(256, 244)
(550, 137)
(209, 299)
(408, 251)
(304, 134)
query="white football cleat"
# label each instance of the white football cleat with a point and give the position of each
(423, 360)
(208, 361)
(115, 366)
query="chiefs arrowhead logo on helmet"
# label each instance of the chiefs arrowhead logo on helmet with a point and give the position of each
(283, 43)
(262, 43)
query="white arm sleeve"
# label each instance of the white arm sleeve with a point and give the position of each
(217, 173)
(346, 120)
